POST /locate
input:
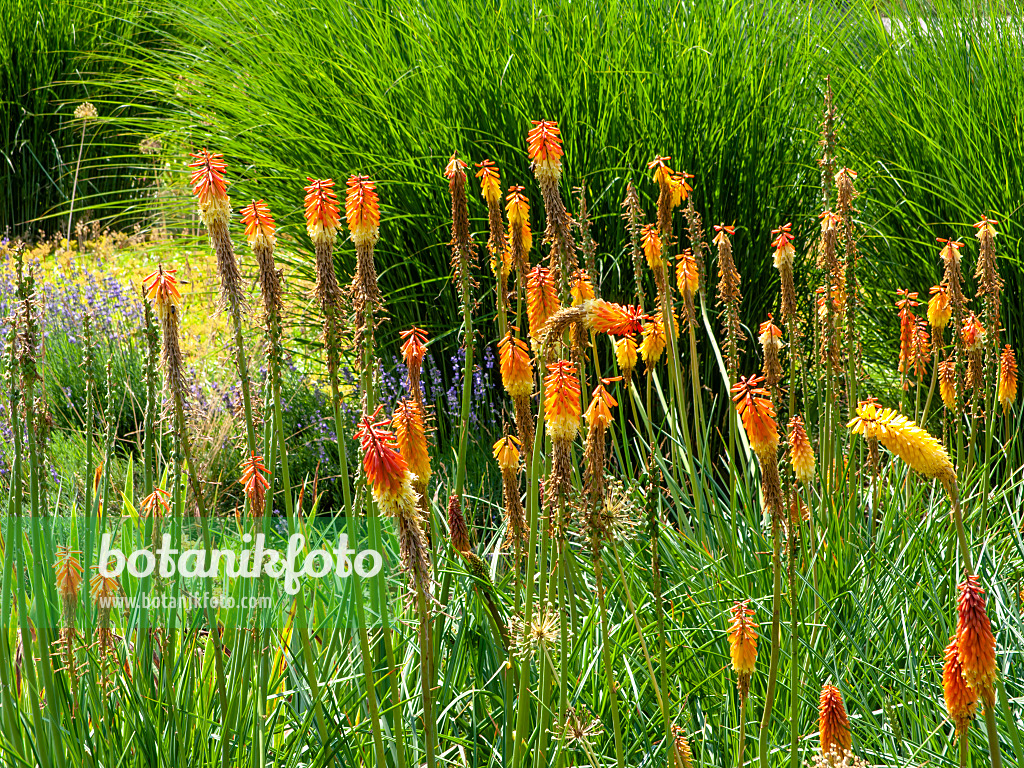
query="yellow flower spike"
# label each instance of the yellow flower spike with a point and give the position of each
(801, 454)
(362, 210)
(677, 183)
(947, 383)
(652, 246)
(581, 289)
(490, 181)
(686, 273)
(654, 341)
(518, 210)
(506, 452)
(939, 308)
(562, 409)
(1007, 378)
(922, 452)
(626, 355)
(742, 643)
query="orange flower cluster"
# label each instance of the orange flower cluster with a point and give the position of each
(386, 469)
(155, 505)
(599, 414)
(517, 207)
(755, 408)
(580, 288)
(961, 700)
(562, 407)
(651, 241)
(654, 341)
(210, 187)
(686, 274)
(362, 210)
(783, 245)
(506, 452)
(516, 367)
(974, 640)
(259, 225)
(801, 454)
(939, 308)
(544, 147)
(411, 437)
(614, 319)
(254, 483)
(973, 333)
(833, 723)
(908, 335)
(68, 573)
(1007, 378)
(625, 355)
(414, 348)
(322, 214)
(161, 289)
(541, 299)
(742, 643)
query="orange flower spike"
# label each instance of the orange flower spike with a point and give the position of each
(922, 349)
(207, 179)
(411, 438)
(69, 572)
(905, 303)
(259, 224)
(801, 454)
(362, 210)
(662, 172)
(769, 333)
(724, 233)
(742, 638)
(254, 482)
(386, 469)
(506, 452)
(986, 227)
(1007, 378)
(974, 639)
(161, 289)
(973, 333)
(961, 700)
(783, 245)
(490, 181)
(541, 299)
(562, 407)
(614, 319)
(599, 412)
(686, 273)
(321, 209)
(755, 408)
(581, 289)
(939, 307)
(833, 723)
(950, 250)
(652, 246)
(516, 366)
(544, 142)
(414, 348)
(680, 188)
(155, 505)
(103, 589)
(518, 210)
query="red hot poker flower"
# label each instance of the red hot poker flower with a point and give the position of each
(258, 222)
(544, 142)
(207, 180)
(362, 209)
(755, 408)
(321, 208)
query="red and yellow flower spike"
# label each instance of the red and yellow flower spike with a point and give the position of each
(103, 590)
(506, 453)
(614, 319)
(562, 408)
(580, 288)
(783, 245)
(516, 366)
(801, 454)
(973, 333)
(651, 241)
(950, 252)
(490, 181)
(254, 483)
(663, 173)
(411, 437)
(362, 210)
(654, 341)
(386, 469)
(68, 574)
(1007, 378)
(259, 225)
(156, 504)
(210, 187)
(541, 299)
(626, 355)
(961, 699)
(974, 640)
(414, 348)
(544, 143)
(599, 414)
(986, 228)
(905, 303)
(758, 414)
(833, 723)
(162, 291)
(321, 209)
(939, 308)
(742, 643)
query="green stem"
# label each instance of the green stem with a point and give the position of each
(773, 663)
